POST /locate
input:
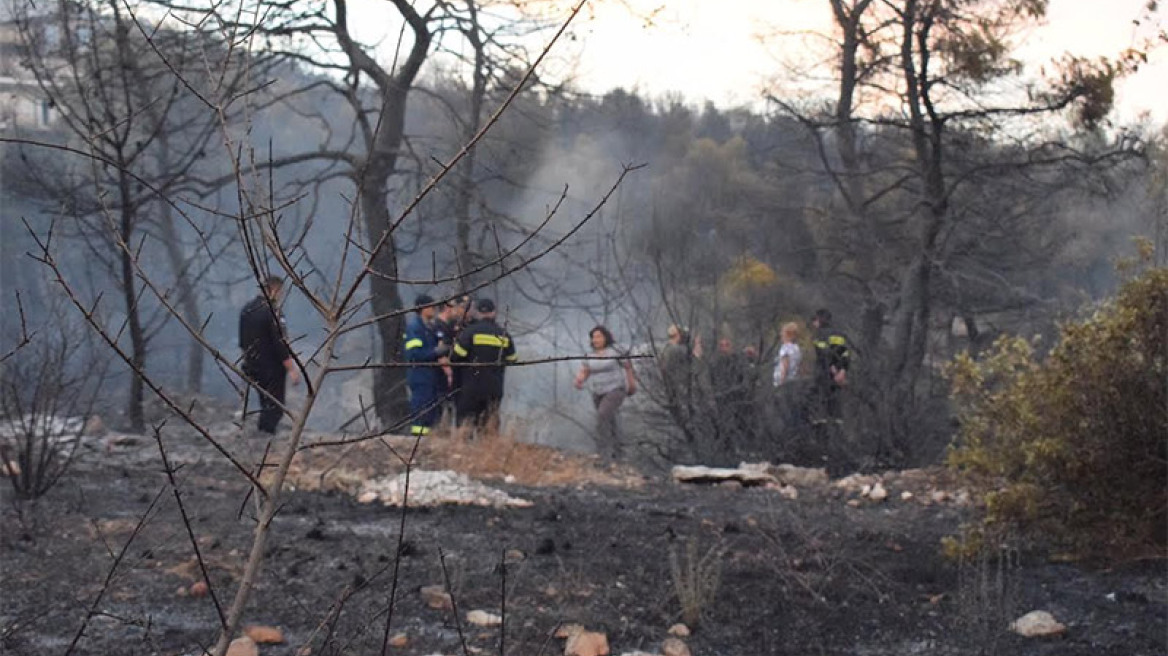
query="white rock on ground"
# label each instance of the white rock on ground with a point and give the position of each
(700, 474)
(435, 488)
(878, 493)
(1037, 624)
(483, 618)
(799, 476)
(679, 630)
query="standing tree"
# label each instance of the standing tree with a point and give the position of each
(116, 86)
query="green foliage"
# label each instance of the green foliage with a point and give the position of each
(1074, 446)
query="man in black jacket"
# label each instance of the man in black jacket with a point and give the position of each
(485, 348)
(267, 359)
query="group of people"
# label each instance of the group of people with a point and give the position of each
(457, 353)
(455, 349)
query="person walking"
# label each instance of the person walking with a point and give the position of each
(267, 359)
(424, 378)
(484, 349)
(610, 381)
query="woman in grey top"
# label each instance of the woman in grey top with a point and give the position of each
(610, 380)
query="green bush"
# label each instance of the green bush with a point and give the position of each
(1072, 449)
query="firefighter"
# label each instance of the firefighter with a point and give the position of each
(485, 348)
(267, 360)
(426, 380)
(451, 319)
(833, 354)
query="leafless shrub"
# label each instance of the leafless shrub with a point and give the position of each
(696, 576)
(45, 400)
(987, 596)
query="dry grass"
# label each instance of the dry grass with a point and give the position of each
(488, 456)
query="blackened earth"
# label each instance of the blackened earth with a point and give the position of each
(806, 576)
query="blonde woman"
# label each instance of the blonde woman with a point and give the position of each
(787, 364)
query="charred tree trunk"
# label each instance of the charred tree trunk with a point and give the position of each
(911, 323)
(135, 402)
(466, 183)
(187, 300)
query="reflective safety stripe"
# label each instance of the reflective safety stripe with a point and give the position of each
(483, 339)
(419, 430)
(836, 340)
(512, 358)
(821, 345)
(414, 343)
(459, 351)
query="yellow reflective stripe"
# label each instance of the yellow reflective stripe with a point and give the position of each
(836, 340)
(821, 345)
(414, 343)
(419, 430)
(459, 351)
(512, 358)
(483, 339)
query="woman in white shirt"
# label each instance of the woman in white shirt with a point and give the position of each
(610, 381)
(787, 364)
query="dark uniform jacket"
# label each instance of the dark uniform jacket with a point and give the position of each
(832, 349)
(261, 337)
(483, 342)
(421, 346)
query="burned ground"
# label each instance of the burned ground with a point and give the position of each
(811, 575)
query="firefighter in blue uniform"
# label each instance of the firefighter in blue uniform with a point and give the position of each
(426, 381)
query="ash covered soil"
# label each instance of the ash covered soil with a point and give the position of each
(596, 547)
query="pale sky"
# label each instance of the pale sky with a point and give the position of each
(727, 50)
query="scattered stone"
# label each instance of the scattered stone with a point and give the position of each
(400, 640)
(509, 479)
(1037, 624)
(514, 556)
(94, 426)
(368, 496)
(586, 643)
(435, 488)
(854, 503)
(697, 474)
(856, 482)
(199, 589)
(679, 630)
(962, 498)
(865, 490)
(674, 647)
(939, 496)
(568, 630)
(436, 597)
(878, 493)
(244, 646)
(906, 495)
(483, 618)
(799, 476)
(264, 635)
(731, 485)
(182, 591)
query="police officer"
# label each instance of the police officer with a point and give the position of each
(267, 360)
(485, 348)
(425, 380)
